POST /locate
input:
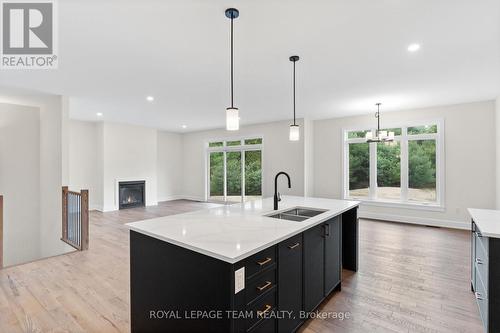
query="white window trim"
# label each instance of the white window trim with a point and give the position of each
(404, 137)
(225, 149)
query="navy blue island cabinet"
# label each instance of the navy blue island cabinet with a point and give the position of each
(485, 277)
(174, 289)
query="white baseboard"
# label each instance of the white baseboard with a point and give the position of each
(170, 198)
(415, 220)
(109, 208)
(193, 198)
(181, 197)
(96, 207)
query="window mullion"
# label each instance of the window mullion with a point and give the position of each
(346, 168)
(404, 164)
(439, 165)
(243, 175)
(207, 188)
(225, 176)
(372, 193)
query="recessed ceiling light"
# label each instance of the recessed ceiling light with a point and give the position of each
(99, 114)
(150, 98)
(184, 126)
(413, 47)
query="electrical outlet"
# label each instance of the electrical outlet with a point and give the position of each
(239, 280)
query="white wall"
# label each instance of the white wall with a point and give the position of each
(130, 153)
(51, 174)
(100, 154)
(50, 168)
(170, 167)
(497, 118)
(308, 132)
(83, 160)
(20, 182)
(279, 154)
(64, 139)
(469, 160)
(99, 195)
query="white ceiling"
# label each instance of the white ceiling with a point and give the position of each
(353, 53)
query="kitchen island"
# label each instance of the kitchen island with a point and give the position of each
(240, 268)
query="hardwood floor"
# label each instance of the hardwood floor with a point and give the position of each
(411, 279)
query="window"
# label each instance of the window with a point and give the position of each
(359, 169)
(234, 170)
(406, 171)
(216, 144)
(253, 141)
(422, 170)
(216, 174)
(389, 171)
(253, 173)
(233, 143)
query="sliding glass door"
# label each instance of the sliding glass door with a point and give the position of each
(234, 170)
(233, 176)
(253, 174)
(216, 160)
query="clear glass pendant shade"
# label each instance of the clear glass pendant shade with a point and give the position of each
(232, 119)
(294, 133)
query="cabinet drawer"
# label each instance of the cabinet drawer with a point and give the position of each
(260, 261)
(265, 326)
(481, 240)
(260, 284)
(261, 307)
(291, 246)
(482, 301)
(481, 262)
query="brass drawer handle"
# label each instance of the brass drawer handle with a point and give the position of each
(262, 263)
(291, 247)
(263, 312)
(265, 286)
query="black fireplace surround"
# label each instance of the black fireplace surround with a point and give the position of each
(132, 194)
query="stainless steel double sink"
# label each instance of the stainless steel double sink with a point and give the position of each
(297, 214)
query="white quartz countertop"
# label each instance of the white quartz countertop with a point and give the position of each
(487, 220)
(232, 233)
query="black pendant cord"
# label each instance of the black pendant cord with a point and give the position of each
(294, 94)
(232, 90)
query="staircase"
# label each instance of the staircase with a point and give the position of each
(75, 218)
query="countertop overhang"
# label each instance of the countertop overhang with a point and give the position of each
(234, 232)
(487, 220)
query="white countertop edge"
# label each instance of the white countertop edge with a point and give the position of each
(247, 254)
(487, 226)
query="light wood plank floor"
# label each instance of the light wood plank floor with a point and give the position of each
(411, 279)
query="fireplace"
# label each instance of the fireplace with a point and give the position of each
(132, 194)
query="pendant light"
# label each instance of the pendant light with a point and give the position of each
(380, 136)
(232, 113)
(294, 128)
